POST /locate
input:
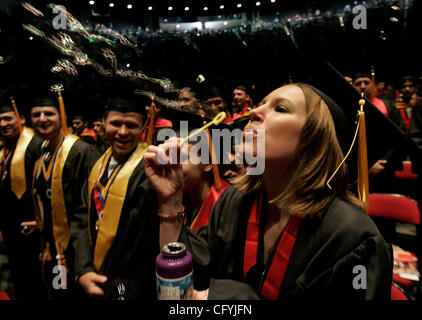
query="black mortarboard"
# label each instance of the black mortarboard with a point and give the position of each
(4, 107)
(214, 92)
(121, 97)
(80, 117)
(342, 98)
(362, 74)
(41, 95)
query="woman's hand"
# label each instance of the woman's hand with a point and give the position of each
(165, 174)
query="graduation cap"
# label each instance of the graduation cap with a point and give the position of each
(121, 97)
(344, 101)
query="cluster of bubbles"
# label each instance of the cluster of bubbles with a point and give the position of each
(70, 46)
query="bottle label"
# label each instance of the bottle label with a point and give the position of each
(175, 289)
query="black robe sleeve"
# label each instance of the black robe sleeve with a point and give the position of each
(396, 155)
(83, 262)
(79, 163)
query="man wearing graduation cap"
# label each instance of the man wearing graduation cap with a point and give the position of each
(296, 230)
(117, 246)
(215, 97)
(382, 176)
(59, 175)
(18, 156)
(242, 102)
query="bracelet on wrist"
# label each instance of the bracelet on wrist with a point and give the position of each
(171, 217)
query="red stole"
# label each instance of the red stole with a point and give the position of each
(380, 105)
(203, 216)
(159, 123)
(228, 118)
(406, 119)
(89, 133)
(243, 113)
(280, 261)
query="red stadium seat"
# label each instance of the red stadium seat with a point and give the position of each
(394, 206)
(397, 294)
(396, 214)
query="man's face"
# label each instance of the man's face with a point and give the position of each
(124, 132)
(98, 127)
(240, 98)
(78, 126)
(364, 85)
(9, 125)
(217, 103)
(407, 89)
(381, 86)
(46, 121)
(186, 100)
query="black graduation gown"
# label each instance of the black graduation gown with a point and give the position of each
(22, 250)
(82, 156)
(321, 265)
(131, 257)
(102, 144)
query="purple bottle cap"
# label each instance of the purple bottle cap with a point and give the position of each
(174, 261)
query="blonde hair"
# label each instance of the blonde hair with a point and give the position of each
(318, 156)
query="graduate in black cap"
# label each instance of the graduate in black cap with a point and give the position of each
(242, 102)
(119, 241)
(59, 175)
(295, 230)
(18, 156)
(216, 97)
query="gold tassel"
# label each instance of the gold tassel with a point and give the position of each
(17, 114)
(217, 180)
(363, 178)
(62, 114)
(151, 121)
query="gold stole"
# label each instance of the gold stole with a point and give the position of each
(17, 166)
(115, 199)
(61, 229)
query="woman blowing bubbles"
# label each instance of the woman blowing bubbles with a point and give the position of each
(283, 233)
